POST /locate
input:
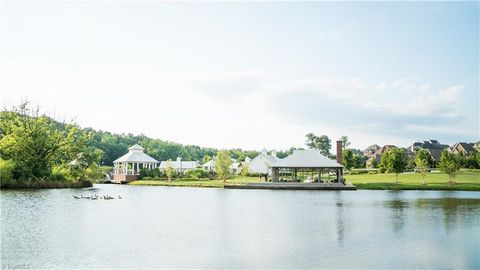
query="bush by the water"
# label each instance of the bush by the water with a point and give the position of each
(196, 173)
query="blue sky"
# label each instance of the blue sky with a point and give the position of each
(249, 75)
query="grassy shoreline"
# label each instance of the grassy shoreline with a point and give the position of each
(466, 180)
(42, 184)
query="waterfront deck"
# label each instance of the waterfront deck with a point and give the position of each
(293, 186)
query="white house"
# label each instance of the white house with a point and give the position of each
(179, 165)
(261, 163)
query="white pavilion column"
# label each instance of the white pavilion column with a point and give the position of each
(125, 167)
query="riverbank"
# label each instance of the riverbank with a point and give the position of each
(42, 184)
(466, 180)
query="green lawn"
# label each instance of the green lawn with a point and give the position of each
(197, 183)
(465, 180)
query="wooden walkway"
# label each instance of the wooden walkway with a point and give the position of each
(293, 186)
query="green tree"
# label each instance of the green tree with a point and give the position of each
(394, 160)
(348, 160)
(169, 170)
(241, 157)
(35, 142)
(449, 164)
(6, 171)
(222, 165)
(423, 161)
(244, 169)
(321, 143)
(374, 163)
(206, 159)
(345, 142)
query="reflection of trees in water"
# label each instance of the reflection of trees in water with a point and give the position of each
(397, 204)
(455, 210)
(340, 217)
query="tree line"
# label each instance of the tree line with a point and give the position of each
(34, 146)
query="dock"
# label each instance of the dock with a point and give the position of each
(293, 186)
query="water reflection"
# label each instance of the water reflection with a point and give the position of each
(454, 210)
(398, 206)
(340, 217)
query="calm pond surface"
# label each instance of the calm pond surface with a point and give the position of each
(165, 227)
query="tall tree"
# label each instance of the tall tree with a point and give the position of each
(395, 160)
(321, 143)
(348, 159)
(449, 164)
(345, 142)
(222, 165)
(169, 170)
(423, 161)
(35, 142)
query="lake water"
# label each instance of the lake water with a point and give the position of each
(167, 227)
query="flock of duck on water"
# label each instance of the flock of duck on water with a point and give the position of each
(96, 197)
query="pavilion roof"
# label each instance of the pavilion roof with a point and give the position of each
(306, 159)
(136, 154)
(261, 163)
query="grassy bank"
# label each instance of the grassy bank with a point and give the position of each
(43, 184)
(197, 183)
(465, 180)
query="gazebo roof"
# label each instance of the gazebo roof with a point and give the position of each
(136, 154)
(306, 159)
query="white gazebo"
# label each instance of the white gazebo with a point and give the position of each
(127, 167)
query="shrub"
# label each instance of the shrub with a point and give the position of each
(196, 173)
(6, 171)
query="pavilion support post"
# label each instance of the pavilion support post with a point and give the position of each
(274, 174)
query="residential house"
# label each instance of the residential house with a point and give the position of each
(370, 151)
(377, 156)
(432, 146)
(179, 166)
(463, 148)
(261, 163)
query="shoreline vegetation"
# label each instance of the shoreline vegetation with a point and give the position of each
(45, 184)
(466, 180)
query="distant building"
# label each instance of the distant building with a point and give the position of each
(260, 164)
(369, 151)
(463, 148)
(432, 146)
(210, 165)
(377, 156)
(179, 166)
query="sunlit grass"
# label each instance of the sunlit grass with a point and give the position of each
(465, 180)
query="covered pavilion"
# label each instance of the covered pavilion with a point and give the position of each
(308, 166)
(127, 167)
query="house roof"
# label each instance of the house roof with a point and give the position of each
(431, 144)
(468, 147)
(435, 153)
(136, 154)
(306, 159)
(373, 147)
(210, 163)
(261, 163)
(179, 164)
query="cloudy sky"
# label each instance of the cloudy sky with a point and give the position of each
(248, 75)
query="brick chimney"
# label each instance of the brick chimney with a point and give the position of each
(339, 152)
